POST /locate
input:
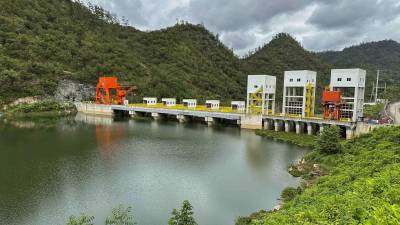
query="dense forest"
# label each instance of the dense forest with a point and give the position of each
(44, 41)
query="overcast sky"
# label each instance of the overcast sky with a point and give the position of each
(246, 24)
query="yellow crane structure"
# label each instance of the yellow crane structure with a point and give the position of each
(310, 101)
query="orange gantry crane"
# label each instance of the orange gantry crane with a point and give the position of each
(332, 104)
(108, 91)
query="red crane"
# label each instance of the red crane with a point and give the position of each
(332, 103)
(108, 91)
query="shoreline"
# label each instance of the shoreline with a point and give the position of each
(302, 140)
(46, 108)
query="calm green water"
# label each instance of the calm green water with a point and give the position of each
(50, 170)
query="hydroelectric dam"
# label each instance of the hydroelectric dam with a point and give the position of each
(342, 104)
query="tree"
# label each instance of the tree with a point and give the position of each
(81, 220)
(184, 216)
(121, 216)
(329, 141)
(9, 77)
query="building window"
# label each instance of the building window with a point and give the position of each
(291, 80)
(298, 79)
(339, 79)
(349, 79)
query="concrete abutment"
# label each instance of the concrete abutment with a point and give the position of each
(251, 122)
(210, 121)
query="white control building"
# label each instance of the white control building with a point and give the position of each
(261, 94)
(212, 104)
(149, 100)
(299, 93)
(239, 106)
(169, 101)
(190, 103)
(351, 82)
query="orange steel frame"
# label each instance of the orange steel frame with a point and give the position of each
(108, 91)
(332, 103)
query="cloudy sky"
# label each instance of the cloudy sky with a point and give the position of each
(246, 24)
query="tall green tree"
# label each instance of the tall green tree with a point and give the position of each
(329, 141)
(184, 216)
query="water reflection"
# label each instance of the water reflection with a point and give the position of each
(108, 133)
(95, 120)
(99, 163)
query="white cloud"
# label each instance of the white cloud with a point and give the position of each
(246, 24)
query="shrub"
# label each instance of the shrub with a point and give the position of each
(373, 111)
(329, 141)
(290, 193)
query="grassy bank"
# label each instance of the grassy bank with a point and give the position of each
(360, 185)
(47, 108)
(302, 140)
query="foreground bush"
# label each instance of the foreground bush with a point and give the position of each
(120, 216)
(184, 216)
(81, 220)
(124, 216)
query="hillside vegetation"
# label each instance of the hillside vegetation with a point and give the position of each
(383, 55)
(362, 186)
(44, 41)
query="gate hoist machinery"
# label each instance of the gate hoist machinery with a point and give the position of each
(108, 91)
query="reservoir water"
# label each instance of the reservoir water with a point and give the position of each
(53, 168)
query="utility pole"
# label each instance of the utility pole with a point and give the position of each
(377, 86)
(372, 96)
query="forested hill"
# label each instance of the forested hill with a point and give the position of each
(383, 55)
(285, 53)
(43, 41)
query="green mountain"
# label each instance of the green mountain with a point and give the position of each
(44, 41)
(285, 53)
(380, 55)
